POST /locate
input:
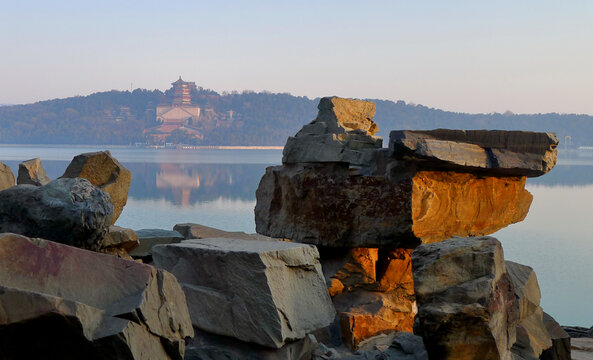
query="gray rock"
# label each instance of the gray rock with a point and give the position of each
(256, 291)
(582, 349)
(126, 309)
(31, 172)
(69, 211)
(120, 237)
(206, 346)
(6, 177)
(151, 237)
(494, 152)
(198, 231)
(560, 349)
(342, 132)
(463, 292)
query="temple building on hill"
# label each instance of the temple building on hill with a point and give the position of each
(181, 114)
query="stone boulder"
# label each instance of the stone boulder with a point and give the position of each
(342, 132)
(466, 305)
(105, 172)
(58, 301)
(151, 237)
(323, 204)
(492, 152)
(120, 242)
(198, 231)
(6, 177)
(31, 172)
(262, 292)
(69, 211)
(561, 347)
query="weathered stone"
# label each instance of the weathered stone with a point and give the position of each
(495, 152)
(342, 132)
(105, 172)
(582, 349)
(560, 349)
(364, 314)
(256, 291)
(206, 346)
(6, 177)
(198, 231)
(151, 237)
(31, 172)
(69, 211)
(322, 204)
(120, 237)
(115, 304)
(578, 331)
(466, 305)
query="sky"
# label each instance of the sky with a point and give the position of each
(467, 56)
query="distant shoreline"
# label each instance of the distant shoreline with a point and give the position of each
(183, 147)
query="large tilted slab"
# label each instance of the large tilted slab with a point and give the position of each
(6, 177)
(110, 302)
(494, 152)
(322, 204)
(265, 292)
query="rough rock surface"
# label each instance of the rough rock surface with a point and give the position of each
(322, 204)
(69, 211)
(494, 152)
(342, 132)
(256, 291)
(120, 242)
(31, 172)
(151, 237)
(6, 177)
(560, 349)
(582, 349)
(86, 304)
(105, 172)
(198, 231)
(466, 304)
(206, 346)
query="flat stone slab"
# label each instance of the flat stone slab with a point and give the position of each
(265, 292)
(495, 152)
(151, 237)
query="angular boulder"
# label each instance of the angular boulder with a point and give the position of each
(6, 177)
(198, 231)
(466, 305)
(342, 132)
(84, 304)
(151, 237)
(105, 172)
(31, 172)
(323, 204)
(120, 242)
(69, 211)
(492, 152)
(263, 292)
(561, 347)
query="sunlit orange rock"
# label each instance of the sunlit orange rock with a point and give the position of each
(325, 205)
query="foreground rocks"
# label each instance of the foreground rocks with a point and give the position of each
(151, 237)
(69, 211)
(262, 292)
(198, 231)
(6, 177)
(58, 301)
(120, 242)
(31, 172)
(105, 172)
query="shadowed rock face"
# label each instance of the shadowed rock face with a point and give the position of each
(324, 205)
(105, 307)
(491, 152)
(105, 172)
(264, 292)
(6, 177)
(31, 172)
(69, 211)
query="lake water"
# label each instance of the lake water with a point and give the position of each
(217, 188)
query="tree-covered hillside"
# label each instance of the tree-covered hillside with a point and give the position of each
(119, 117)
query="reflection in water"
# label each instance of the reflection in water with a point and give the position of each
(180, 182)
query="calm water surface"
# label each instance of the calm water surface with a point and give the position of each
(217, 188)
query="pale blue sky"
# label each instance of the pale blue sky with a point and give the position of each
(471, 56)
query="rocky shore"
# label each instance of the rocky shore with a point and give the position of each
(361, 252)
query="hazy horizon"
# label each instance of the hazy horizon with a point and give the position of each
(478, 57)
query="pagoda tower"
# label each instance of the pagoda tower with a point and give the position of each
(182, 92)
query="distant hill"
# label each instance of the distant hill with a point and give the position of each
(264, 118)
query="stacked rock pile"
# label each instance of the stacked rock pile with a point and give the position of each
(399, 230)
